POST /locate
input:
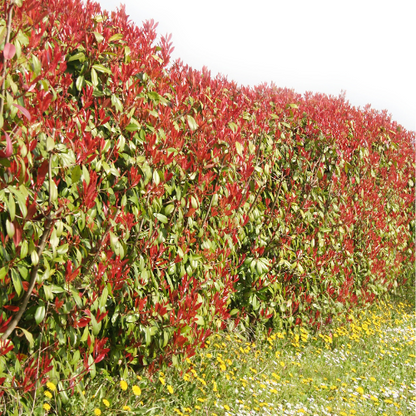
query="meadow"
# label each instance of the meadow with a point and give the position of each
(364, 365)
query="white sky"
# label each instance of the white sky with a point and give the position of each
(365, 47)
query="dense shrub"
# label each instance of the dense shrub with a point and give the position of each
(144, 204)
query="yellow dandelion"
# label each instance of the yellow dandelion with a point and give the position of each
(123, 385)
(226, 407)
(215, 386)
(170, 389)
(46, 406)
(127, 408)
(106, 403)
(48, 394)
(137, 390)
(162, 380)
(373, 379)
(50, 386)
(360, 390)
(97, 412)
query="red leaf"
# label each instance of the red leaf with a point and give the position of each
(82, 322)
(23, 110)
(12, 308)
(17, 233)
(43, 169)
(9, 146)
(9, 51)
(100, 358)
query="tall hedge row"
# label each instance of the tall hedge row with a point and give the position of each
(144, 204)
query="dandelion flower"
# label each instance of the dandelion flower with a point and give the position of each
(46, 406)
(97, 412)
(127, 408)
(226, 407)
(170, 389)
(123, 385)
(360, 390)
(50, 386)
(162, 380)
(106, 403)
(48, 394)
(137, 391)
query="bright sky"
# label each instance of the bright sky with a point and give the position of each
(364, 47)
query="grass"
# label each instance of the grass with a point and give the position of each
(362, 366)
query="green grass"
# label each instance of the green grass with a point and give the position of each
(365, 366)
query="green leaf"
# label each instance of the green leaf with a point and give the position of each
(86, 174)
(116, 103)
(154, 96)
(40, 314)
(232, 126)
(103, 298)
(48, 292)
(76, 174)
(99, 37)
(94, 78)
(12, 207)
(239, 148)
(117, 36)
(191, 122)
(28, 336)
(156, 177)
(161, 218)
(102, 68)
(80, 82)
(132, 127)
(77, 57)
(36, 65)
(3, 272)
(17, 282)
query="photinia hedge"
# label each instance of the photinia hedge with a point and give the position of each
(144, 204)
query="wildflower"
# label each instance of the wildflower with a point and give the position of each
(106, 403)
(137, 391)
(360, 390)
(170, 389)
(123, 385)
(97, 412)
(48, 394)
(215, 386)
(50, 386)
(46, 406)
(127, 408)
(226, 407)
(162, 380)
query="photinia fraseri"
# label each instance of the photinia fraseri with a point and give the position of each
(272, 193)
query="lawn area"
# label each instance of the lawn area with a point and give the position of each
(362, 366)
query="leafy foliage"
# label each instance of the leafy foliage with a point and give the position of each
(144, 206)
